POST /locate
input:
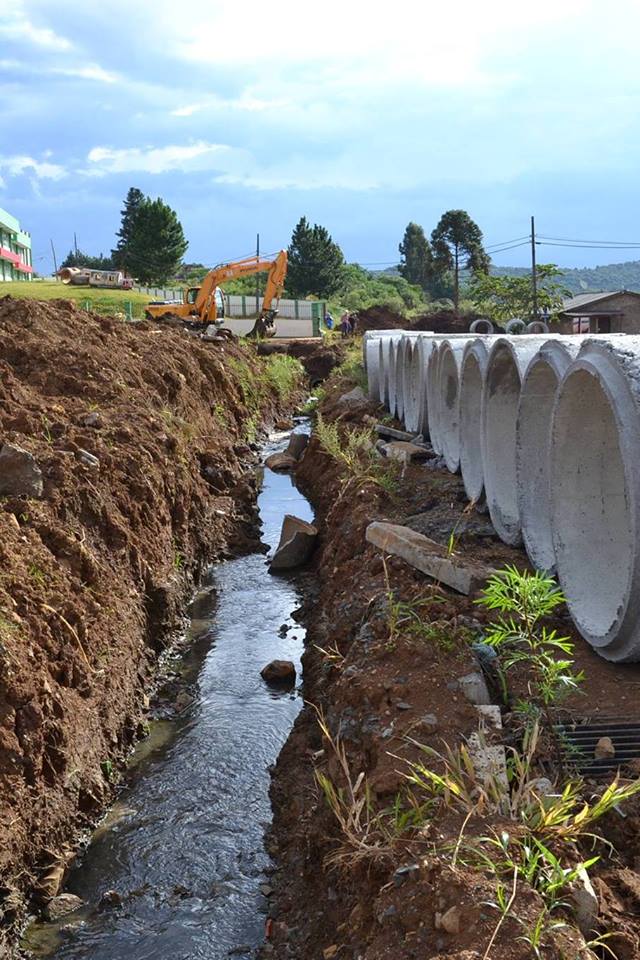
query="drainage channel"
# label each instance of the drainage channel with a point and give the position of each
(182, 848)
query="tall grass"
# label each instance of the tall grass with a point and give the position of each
(354, 449)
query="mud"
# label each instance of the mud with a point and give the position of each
(380, 688)
(95, 574)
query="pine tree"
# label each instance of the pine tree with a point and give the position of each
(129, 212)
(416, 263)
(157, 243)
(457, 244)
(315, 261)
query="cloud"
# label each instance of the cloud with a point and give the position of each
(20, 164)
(246, 103)
(194, 156)
(16, 26)
(92, 71)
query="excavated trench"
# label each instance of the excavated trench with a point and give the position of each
(180, 856)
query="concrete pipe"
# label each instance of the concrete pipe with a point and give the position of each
(433, 398)
(507, 362)
(404, 354)
(537, 397)
(386, 349)
(472, 372)
(595, 496)
(449, 367)
(415, 382)
(537, 326)
(515, 327)
(481, 326)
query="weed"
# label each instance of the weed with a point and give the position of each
(524, 641)
(331, 655)
(352, 369)
(178, 560)
(355, 451)
(535, 935)
(37, 574)
(107, 769)
(46, 430)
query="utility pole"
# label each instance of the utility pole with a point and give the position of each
(258, 276)
(534, 279)
(55, 262)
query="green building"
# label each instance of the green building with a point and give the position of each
(15, 249)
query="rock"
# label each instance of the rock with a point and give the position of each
(541, 787)
(265, 889)
(297, 540)
(280, 462)
(330, 952)
(475, 689)
(449, 921)
(410, 872)
(283, 424)
(401, 705)
(110, 898)
(20, 475)
(585, 903)
(429, 557)
(604, 749)
(182, 701)
(428, 723)
(298, 443)
(279, 672)
(93, 420)
(63, 904)
(87, 458)
(405, 452)
(354, 397)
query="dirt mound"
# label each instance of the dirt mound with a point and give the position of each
(444, 321)
(141, 435)
(379, 318)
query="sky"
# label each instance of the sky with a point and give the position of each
(361, 117)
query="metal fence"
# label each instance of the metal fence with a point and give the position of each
(161, 293)
(245, 306)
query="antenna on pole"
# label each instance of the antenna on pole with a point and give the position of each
(534, 278)
(55, 262)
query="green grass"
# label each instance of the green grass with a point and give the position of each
(107, 302)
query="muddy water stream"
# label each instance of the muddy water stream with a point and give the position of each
(183, 845)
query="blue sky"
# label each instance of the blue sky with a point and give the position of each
(362, 117)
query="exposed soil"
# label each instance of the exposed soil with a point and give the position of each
(317, 358)
(94, 575)
(379, 687)
(441, 321)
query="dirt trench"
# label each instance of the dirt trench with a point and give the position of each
(143, 441)
(379, 688)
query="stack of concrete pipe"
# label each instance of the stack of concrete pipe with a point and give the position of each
(545, 430)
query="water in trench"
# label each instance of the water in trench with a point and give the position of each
(183, 845)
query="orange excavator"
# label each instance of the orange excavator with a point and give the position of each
(205, 304)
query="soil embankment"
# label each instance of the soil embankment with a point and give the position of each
(130, 466)
(366, 871)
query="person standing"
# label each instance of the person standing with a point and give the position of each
(345, 324)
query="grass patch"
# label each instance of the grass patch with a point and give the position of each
(277, 374)
(354, 449)
(106, 302)
(352, 368)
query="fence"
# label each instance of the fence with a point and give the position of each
(161, 293)
(245, 306)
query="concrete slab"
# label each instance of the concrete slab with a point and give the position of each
(429, 557)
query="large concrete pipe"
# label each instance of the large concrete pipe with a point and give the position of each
(415, 382)
(595, 495)
(507, 362)
(403, 358)
(533, 426)
(387, 355)
(449, 365)
(472, 371)
(371, 359)
(433, 397)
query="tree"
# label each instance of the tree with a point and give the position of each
(458, 238)
(502, 298)
(416, 263)
(129, 212)
(81, 259)
(315, 261)
(156, 243)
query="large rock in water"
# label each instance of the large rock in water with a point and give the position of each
(279, 672)
(297, 445)
(20, 475)
(297, 540)
(280, 462)
(62, 905)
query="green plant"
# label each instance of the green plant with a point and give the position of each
(355, 450)
(36, 573)
(178, 560)
(46, 430)
(351, 367)
(107, 769)
(524, 641)
(535, 935)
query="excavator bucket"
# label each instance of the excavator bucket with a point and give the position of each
(265, 326)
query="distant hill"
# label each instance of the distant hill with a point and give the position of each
(610, 276)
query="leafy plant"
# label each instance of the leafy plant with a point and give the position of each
(355, 450)
(523, 640)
